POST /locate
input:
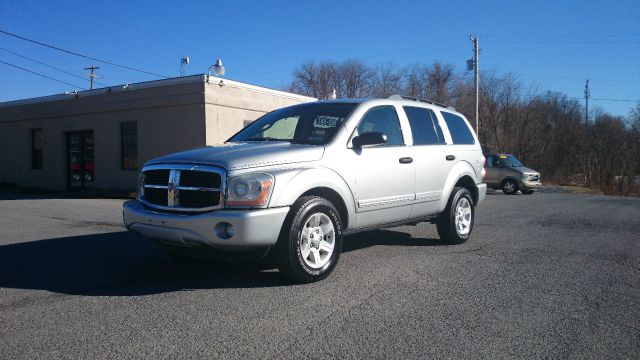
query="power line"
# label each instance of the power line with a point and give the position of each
(564, 77)
(402, 50)
(49, 66)
(607, 42)
(573, 78)
(44, 76)
(81, 55)
(559, 35)
(369, 57)
(622, 100)
(533, 96)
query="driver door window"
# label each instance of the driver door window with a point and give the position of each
(382, 119)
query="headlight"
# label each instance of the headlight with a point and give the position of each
(140, 188)
(525, 176)
(249, 190)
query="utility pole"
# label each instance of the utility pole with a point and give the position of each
(476, 79)
(92, 75)
(587, 95)
(184, 61)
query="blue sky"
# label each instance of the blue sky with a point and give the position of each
(553, 45)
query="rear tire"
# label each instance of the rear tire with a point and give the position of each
(455, 223)
(310, 241)
(509, 187)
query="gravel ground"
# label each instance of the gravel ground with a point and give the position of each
(546, 275)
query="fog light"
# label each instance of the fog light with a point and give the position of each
(224, 230)
(229, 230)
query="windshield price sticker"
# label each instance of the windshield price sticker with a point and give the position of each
(326, 122)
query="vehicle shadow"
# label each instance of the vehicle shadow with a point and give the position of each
(120, 264)
(125, 264)
(385, 238)
(6, 196)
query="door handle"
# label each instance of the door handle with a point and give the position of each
(451, 157)
(406, 160)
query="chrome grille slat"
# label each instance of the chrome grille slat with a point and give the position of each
(156, 186)
(188, 188)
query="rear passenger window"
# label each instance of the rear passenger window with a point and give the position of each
(489, 162)
(460, 133)
(385, 120)
(424, 126)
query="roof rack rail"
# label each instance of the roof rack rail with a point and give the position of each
(404, 97)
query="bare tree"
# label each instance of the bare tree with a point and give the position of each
(634, 123)
(439, 82)
(386, 81)
(357, 79)
(544, 129)
(414, 79)
(316, 80)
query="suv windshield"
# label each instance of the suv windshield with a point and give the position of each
(302, 124)
(508, 161)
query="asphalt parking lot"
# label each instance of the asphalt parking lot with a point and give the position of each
(547, 275)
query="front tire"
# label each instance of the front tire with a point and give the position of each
(455, 223)
(310, 241)
(509, 187)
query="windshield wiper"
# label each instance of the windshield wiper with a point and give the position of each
(266, 139)
(291, 141)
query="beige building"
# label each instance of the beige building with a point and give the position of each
(100, 138)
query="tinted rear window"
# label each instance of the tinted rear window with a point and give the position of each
(424, 126)
(460, 133)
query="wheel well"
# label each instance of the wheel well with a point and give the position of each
(335, 199)
(468, 183)
(509, 178)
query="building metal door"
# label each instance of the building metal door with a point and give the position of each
(80, 162)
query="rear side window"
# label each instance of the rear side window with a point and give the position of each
(424, 126)
(490, 161)
(460, 133)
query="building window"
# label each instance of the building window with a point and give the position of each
(36, 149)
(129, 145)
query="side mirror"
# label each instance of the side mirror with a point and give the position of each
(369, 138)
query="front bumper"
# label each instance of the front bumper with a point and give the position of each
(252, 228)
(530, 185)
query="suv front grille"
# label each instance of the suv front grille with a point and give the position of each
(182, 187)
(156, 177)
(199, 179)
(156, 196)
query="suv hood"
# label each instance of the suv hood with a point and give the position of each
(242, 155)
(525, 170)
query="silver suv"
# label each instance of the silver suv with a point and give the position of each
(294, 182)
(506, 172)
